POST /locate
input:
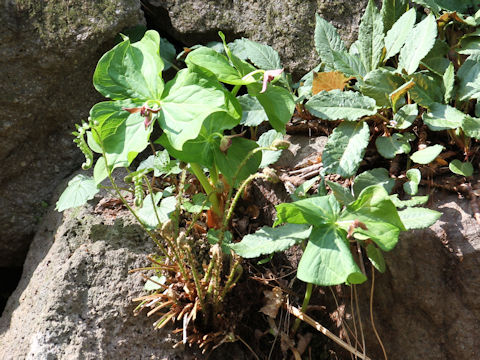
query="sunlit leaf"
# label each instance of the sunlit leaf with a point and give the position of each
(427, 155)
(457, 167)
(370, 37)
(326, 81)
(79, 190)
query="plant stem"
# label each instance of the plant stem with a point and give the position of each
(306, 301)
(235, 90)
(209, 190)
(235, 274)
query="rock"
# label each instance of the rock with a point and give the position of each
(74, 298)
(287, 25)
(48, 52)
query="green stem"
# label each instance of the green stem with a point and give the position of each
(209, 190)
(306, 301)
(235, 90)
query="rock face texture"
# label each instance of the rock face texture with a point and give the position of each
(286, 25)
(48, 52)
(74, 299)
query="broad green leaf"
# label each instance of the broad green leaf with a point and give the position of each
(398, 34)
(131, 70)
(414, 201)
(262, 56)
(443, 117)
(237, 48)
(427, 155)
(265, 140)
(391, 11)
(277, 102)
(470, 46)
(428, 89)
(411, 187)
(80, 189)
(317, 210)
(469, 79)
(376, 258)
(345, 148)
(149, 211)
(350, 65)
(452, 5)
(153, 281)
(477, 109)
(253, 113)
(199, 203)
(379, 83)
(242, 66)
(376, 211)
(430, 4)
(378, 176)
(404, 117)
(229, 163)
(471, 127)
(269, 240)
(436, 60)
(100, 171)
(370, 37)
(390, 146)
(160, 164)
(418, 218)
(341, 193)
(419, 42)
(457, 167)
(326, 40)
(327, 259)
(167, 53)
(449, 82)
(336, 104)
(301, 192)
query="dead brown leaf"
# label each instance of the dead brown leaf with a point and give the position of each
(273, 301)
(327, 81)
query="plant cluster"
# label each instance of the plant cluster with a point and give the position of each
(410, 81)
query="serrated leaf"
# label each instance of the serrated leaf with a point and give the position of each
(341, 193)
(398, 34)
(265, 140)
(336, 104)
(436, 60)
(327, 259)
(327, 39)
(391, 11)
(449, 82)
(404, 117)
(419, 42)
(428, 89)
(153, 281)
(317, 210)
(197, 204)
(345, 148)
(350, 65)
(370, 37)
(427, 155)
(269, 240)
(253, 113)
(379, 83)
(378, 176)
(149, 211)
(326, 81)
(414, 201)
(471, 127)
(376, 258)
(469, 79)
(79, 190)
(161, 164)
(262, 56)
(418, 218)
(443, 117)
(411, 187)
(461, 168)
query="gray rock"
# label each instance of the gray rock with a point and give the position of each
(74, 299)
(287, 25)
(48, 52)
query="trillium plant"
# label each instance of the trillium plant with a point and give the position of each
(407, 89)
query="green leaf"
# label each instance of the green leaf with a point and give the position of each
(469, 79)
(148, 212)
(266, 139)
(449, 82)
(411, 187)
(326, 40)
(418, 218)
(419, 42)
(376, 258)
(378, 176)
(197, 204)
(427, 90)
(390, 146)
(79, 190)
(427, 155)
(153, 281)
(430, 4)
(301, 192)
(470, 46)
(327, 259)
(477, 109)
(269, 240)
(376, 211)
(100, 171)
(398, 34)
(370, 37)
(405, 117)
(277, 102)
(436, 60)
(471, 127)
(457, 167)
(336, 104)
(229, 163)
(262, 56)
(379, 83)
(253, 113)
(345, 148)
(317, 210)
(341, 193)
(391, 11)
(131, 70)
(160, 164)
(213, 237)
(443, 117)
(414, 201)
(350, 65)
(167, 53)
